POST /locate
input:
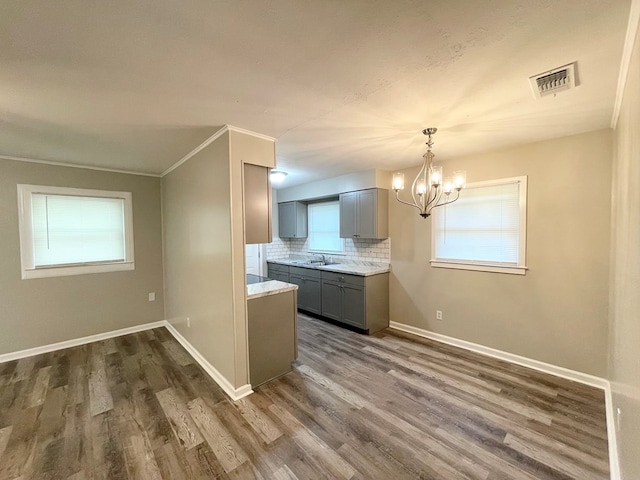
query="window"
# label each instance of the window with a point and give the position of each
(485, 229)
(71, 231)
(324, 227)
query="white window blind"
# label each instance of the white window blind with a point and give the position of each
(324, 227)
(486, 226)
(72, 230)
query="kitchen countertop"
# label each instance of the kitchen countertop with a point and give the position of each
(272, 287)
(363, 269)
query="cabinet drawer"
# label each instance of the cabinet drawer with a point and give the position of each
(343, 278)
(304, 272)
(276, 267)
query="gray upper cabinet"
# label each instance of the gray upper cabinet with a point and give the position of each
(364, 214)
(257, 200)
(292, 220)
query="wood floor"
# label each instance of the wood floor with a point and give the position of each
(390, 406)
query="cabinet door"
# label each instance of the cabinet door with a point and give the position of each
(287, 220)
(331, 300)
(353, 306)
(257, 201)
(283, 277)
(312, 295)
(348, 214)
(367, 210)
(301, 220)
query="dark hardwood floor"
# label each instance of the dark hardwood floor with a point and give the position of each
(390, 406)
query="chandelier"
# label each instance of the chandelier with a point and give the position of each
(430, 190)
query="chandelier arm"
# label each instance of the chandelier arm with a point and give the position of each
(406, 203)
(451, 201)
(420, 204)
(436, 198)
(437, 191)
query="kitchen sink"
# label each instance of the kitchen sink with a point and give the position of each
(312, 263)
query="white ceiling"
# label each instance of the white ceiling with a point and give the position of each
(342, 85)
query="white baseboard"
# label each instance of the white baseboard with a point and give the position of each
(234, 393)
(612, 438)
(7, 357)
(506, 356)
(221, 380)
(562, 372)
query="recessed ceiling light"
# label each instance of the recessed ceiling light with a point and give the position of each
(277, 176)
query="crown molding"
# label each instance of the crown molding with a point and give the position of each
(71, 165)
(211, 139)
(249, 132)
(629, 40)
(193, 152)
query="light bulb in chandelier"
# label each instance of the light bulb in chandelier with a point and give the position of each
(398, 181)
(447, 186)
(436, 176)
(460, 179)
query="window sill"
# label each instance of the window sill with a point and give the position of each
(480, 268)
(76, 270)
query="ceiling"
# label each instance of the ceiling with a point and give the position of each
(343, 86)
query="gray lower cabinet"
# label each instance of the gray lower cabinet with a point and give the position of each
(309, 288)
(276, 271)
(361, 302)
(355, 300)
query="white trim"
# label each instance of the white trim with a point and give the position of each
(211, 139)
(562, 372)
(480, 268)
(249, 132)
(204, 144)
(468, 264)
(612, 440)
(584, 378)
(8, 357)
(234, 393)
(64, 271)
(25, 229)
(629, 40)
(70, 165)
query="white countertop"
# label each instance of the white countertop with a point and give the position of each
(271, 287)
(363, 269)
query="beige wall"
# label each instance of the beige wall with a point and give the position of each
(42, 311)
(203, 227)
(624, 366)
(557, 313)
(196, 203)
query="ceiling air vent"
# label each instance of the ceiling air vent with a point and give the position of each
(554, 81)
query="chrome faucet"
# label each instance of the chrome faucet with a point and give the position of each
(321, 257)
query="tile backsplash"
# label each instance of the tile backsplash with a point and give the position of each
(355, 249)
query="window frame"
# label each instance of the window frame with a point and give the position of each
(25, 226)
(521, 268)
(342, 240)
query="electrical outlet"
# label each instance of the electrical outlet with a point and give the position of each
(152, 296)
(438, 314)
(188, 322)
